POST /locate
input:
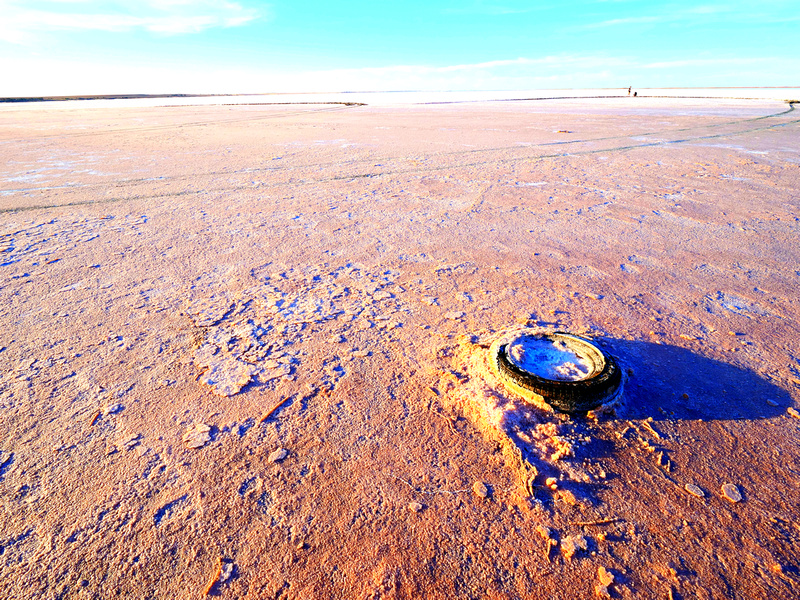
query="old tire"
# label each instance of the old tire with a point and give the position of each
(601, 385)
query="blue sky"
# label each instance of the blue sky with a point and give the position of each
(219, 46)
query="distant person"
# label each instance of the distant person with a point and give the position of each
(629, 91)
(635, 94)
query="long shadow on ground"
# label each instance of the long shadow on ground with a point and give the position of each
(663, 382)
(668, 382)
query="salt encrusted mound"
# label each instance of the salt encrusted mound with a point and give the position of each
(532, 435)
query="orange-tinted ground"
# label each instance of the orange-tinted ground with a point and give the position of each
(169, 276)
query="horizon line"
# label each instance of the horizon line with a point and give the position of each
(137, 96)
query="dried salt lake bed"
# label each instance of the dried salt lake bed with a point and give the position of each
(245, 349)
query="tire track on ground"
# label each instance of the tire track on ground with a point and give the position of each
(318, 180)
(387, 159)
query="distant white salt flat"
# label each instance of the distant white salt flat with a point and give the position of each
(421, 97)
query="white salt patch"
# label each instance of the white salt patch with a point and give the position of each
(197, 436)
(549, 359)
(227, 376)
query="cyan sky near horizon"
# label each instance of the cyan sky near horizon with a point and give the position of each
(221, 46)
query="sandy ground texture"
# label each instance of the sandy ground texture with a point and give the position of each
(244, 349)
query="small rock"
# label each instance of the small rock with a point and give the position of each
(793, 412)
(777, 568)
(552, 483)
(606, 578)
(572, 544)
(225, 572)
(360, 353)
(480, 490)
(694, 490)
(567, 497)
(731, 492)
(197, 436)
(454, 315)
(544, 532)
(415, 507)
(771, 402)
(278, 455)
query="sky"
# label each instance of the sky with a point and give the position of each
(62, 47)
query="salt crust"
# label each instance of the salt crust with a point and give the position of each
(548, 359)
(257, 334)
